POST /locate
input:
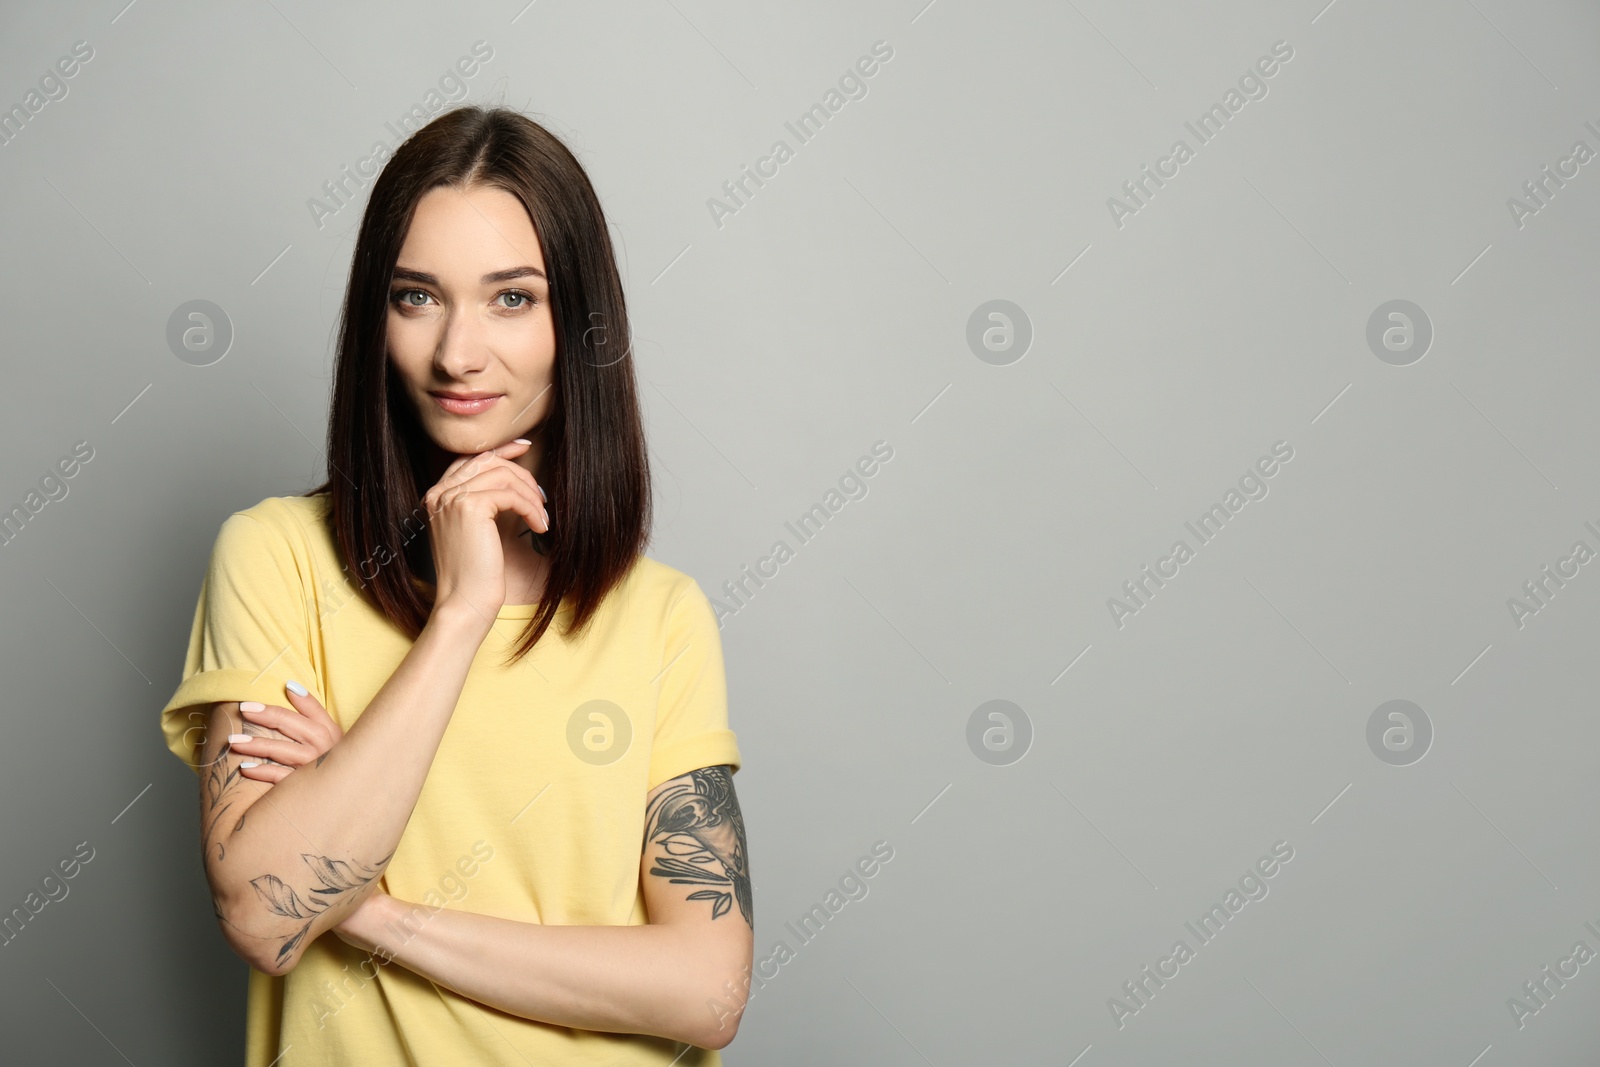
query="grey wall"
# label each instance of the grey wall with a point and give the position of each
(1146, 762)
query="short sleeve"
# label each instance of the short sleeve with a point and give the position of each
(250, 632)
(692, 713)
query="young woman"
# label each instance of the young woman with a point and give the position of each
(465, 766)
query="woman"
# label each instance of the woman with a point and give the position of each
(434, 847)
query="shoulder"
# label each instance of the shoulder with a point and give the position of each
(673, 601)
(294, 526)
(289, 513)
(652, 582)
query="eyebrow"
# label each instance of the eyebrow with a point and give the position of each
(408, 275)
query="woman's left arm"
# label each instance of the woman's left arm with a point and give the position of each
(685, 975)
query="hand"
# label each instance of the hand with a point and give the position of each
(298, 737)
(463, 510)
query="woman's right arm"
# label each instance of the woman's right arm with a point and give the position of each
(303, 858)
(315, 843)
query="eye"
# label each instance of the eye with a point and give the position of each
(399, 297)
(526, 299)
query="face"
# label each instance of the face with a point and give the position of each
(470, 332)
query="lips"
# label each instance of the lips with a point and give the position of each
(465, 403)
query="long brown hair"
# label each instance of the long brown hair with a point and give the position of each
(594, 465)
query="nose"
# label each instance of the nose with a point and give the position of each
(461, 351)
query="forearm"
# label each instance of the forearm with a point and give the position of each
(657, 979)
(334, 823)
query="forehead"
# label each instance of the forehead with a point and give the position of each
(470, 232)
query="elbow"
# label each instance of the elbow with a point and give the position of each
(723, 1037)
(274, 965)
(716, 1022)
(261, 952)
(721, 1040)
(725, 990)
(234, 932)
(259, 955)
(263, 956)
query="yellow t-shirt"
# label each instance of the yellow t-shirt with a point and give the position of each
(533, 809)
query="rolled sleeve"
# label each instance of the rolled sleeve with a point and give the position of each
(692, 714)
(250, 633)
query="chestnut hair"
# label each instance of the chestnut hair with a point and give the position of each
(594, 464)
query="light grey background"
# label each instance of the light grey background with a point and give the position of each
(831, 312)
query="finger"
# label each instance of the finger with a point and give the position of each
(452, 475)
(464, 467)
(288, 753)
(498, 481)
(508, 475)
(509, 448)
(468, 467)
(491, 463)
(264, 772)
(504, 498)
(312, 710)
(513, 498)
(285, 721)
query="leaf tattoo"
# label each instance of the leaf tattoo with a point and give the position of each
(335, 876)
(280, 897)
(698, 824)
(335, 879)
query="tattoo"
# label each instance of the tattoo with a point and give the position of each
(219, 781)
(698, 823)
(336, 880)
(336, 876)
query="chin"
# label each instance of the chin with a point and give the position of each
(466, 443)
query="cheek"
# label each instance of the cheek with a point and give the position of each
(408, 343)
(536, 354)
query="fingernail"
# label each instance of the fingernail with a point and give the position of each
(542, 494)
(522, 441)
(297, 689)
(248, 763)
(252, 705)
(238, 739)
